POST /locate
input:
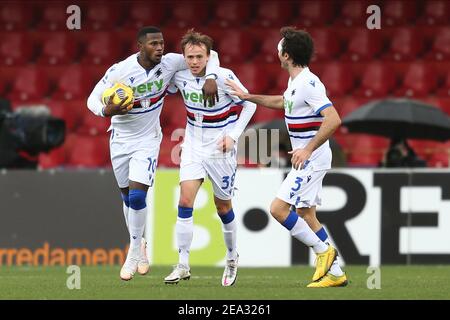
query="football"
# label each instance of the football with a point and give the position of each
(121, 91)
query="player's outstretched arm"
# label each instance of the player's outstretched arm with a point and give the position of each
(330, 123)
(274, 102)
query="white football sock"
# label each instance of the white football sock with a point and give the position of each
(185, 232)
(229, 235)
(126, 213)
(136, 222)
(301, 231)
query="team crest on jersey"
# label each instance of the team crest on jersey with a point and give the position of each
(145, 103)
(198, 117)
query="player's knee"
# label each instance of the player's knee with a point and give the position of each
(137, 199)
(186, 202)
(275, 210)
(222, 206)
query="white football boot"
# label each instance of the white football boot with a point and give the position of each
(230, 272)
(180, 272)
(143, 264)
(131, 264)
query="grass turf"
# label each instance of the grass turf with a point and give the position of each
(397, 282)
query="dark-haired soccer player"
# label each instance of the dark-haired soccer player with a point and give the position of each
(136, 133)
(311, 119)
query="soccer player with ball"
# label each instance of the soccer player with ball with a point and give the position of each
(139, 85)
(209, 150)
(311, 119)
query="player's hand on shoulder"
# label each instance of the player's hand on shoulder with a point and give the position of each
(235, 89)
(112, 109)
(210, 93)
(226, 144)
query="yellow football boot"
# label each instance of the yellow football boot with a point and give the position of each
(329, 281)
(323, 262)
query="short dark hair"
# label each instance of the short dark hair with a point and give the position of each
(196, 38)
(144, 30)
(298, 44)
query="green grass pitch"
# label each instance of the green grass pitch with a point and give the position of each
(397, 282)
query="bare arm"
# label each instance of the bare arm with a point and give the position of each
(273, 102)
(330, 123)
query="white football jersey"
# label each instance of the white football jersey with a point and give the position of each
(149, 87)
(304, 98)
(205, 126)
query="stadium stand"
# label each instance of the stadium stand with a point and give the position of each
(45, 63)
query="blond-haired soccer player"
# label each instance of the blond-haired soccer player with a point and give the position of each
(310, 119)
(209, 150)
(136, 133)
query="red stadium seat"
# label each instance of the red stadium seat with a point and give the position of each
(420, 80)
(188, 14)
(53, 159)
(440, 50)
(327, 45)
(101, 48)
(315, 13)
(353, 13)
(377, 81)
(444, 91)
(75, 83)
(16, 16)
(444, 105)
(271, 14)
(173, 114)
(398, 12)
(363, 45)
(145, 14)
(89, 152)
(237, 48)
(103, 16)
(253, 77)
(264, 114)
(58, 48)
(345, 105)
(31, 83)
(338, 79)
(169, 154)
(54, 16)
(439, 159)
(268, 51)
(282, 79)
(94, 125)
(231, 14)
(406, 44)
(436, 12)
(61, 110)
(16, 48)
(366, 150)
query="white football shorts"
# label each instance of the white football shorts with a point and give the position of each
(221, 172)
(302, 188)
(135, 160)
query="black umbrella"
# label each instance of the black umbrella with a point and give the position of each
(400, 118)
